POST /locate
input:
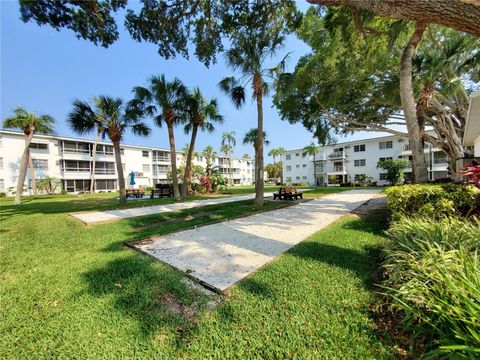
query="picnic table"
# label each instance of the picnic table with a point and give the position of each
(287, 193)
(138, 193)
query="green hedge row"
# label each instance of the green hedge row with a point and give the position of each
(432, 201)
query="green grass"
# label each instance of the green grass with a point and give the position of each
(71, 291)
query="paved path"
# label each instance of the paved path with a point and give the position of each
(221, 254)
(93, 217)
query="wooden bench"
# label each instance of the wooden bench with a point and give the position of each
(161, 190)
(288, 193)
(137, 193)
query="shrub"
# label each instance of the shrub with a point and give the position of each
(393, 170)
(432, 201)
(433, 270)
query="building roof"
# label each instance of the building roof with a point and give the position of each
(472, 126)
(378, 138)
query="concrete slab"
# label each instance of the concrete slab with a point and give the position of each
(221, 254)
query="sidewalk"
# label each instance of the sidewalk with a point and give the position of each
(93, 217)
(221, 254)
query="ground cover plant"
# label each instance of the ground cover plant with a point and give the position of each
(68, 290)
(432, 268)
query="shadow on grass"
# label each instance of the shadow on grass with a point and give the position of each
(151, 293)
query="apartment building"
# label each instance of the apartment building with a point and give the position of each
(346, 162)
(70, 159)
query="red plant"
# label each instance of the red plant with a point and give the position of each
(472, 170)
(206, 182)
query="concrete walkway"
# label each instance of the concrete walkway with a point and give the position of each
(221, 254)
(93, 217)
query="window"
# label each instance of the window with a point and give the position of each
(288, 157)
(38, 146)
(297, 154)
(104, 168)
(383, 177)
(297, 166)
(2, 185)
(74, 148)
(122, 151)
(359, 162)
(358, 148)
(76, 185)
(289, 168)
(298, 177)
(304, 178)
(385, 158)
(146, 168)
(76, 166)
(145, 153)
(340, 149)
(40, 164)
(109, 184)
(385, 144)
(304, 165)
(105, 150)
(439, 157)
(1, 163)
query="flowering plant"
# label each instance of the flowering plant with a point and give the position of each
(473, 170)
(206, 183)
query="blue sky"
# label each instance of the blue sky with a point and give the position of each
(44, 70)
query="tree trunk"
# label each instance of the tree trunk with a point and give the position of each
(259, 154)
(420, 173)
(121, 176)
(314, 171)
(94, 159)
(173, 160)
(32, 174)
(188, 164)
(23, 169)
(462, 15)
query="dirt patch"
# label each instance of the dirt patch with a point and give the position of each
(172, 220)
(379, 203)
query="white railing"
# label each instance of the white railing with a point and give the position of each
(336, 155)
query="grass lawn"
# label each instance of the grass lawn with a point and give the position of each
(71, 291)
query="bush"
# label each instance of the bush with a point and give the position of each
(433, 270)
(2, 194)
(432, 201)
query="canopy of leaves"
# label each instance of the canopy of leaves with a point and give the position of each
(29, 122)
(347, 76)
(174, 26)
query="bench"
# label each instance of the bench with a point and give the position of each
(288, 193)
(161, 190)
(137, 193)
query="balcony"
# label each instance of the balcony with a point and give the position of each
(161, 159)
(337, 155)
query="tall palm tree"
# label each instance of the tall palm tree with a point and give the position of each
(227, 149)
(209, 155)
(198, 111)
(312, 150)
(164, 102)
(109, 114)
(248, 55)
(228, 140)
(251, 137)
(30, 124)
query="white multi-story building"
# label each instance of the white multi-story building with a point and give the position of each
(70, 160)
(346, 162)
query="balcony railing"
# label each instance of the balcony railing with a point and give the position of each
(76, 170)
(161, 158)
(338, 168)
(76, 151)
(104, 171)
(336, 155)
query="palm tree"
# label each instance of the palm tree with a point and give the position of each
(227, 149)
(248, 55)
(251, 137)
(228, 139)
(198, 111)
(30, 124)
(82, 113)
(209, 155)
(163, 101)
(109, 114)
(312, 150)
(246, 157)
